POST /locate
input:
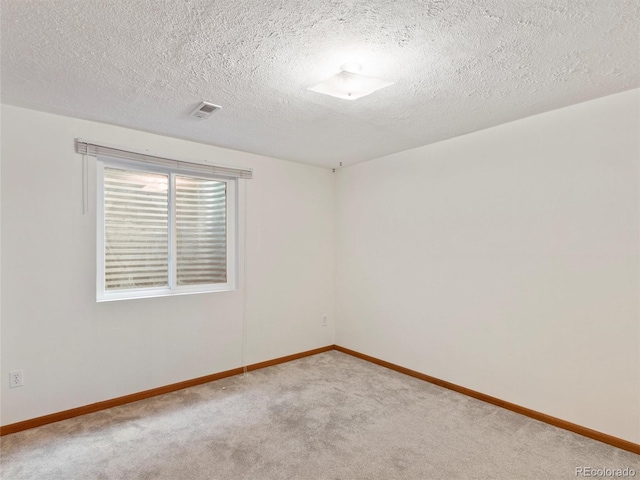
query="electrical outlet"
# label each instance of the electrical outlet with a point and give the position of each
(324, 320)
(16, 378)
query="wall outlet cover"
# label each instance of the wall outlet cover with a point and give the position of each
(16, 378)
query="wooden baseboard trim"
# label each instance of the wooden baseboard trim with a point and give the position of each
(556, 422)
(289, 358)
(134, 397)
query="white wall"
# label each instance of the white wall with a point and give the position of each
(75, 351)
(505, 261)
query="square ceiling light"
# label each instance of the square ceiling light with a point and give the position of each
(349, 85)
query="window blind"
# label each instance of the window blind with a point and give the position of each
(93, 149)
(136, 229)
(200, 231)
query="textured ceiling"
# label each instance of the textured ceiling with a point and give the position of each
(458, 66)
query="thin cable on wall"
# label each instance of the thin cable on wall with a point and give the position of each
(87, 149)
(244, 278)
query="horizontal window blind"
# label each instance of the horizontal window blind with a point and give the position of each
(136, 229)
(200, 231)
(94, 150)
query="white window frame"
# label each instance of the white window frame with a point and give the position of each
(103, 295)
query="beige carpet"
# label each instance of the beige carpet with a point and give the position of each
(330, 416)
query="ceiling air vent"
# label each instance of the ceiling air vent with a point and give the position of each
(205, 109)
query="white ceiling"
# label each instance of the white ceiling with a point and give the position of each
(458, 66)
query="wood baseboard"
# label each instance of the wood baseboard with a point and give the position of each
(556, 422)
(289, 358)
(134, 397)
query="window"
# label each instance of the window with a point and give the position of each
(163, 231)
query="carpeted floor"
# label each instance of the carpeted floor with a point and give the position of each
(329, 416)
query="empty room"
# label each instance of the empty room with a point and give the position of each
(331, 239)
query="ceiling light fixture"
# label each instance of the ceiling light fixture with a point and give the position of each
(349, 84)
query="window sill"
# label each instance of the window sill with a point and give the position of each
(153, 293)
